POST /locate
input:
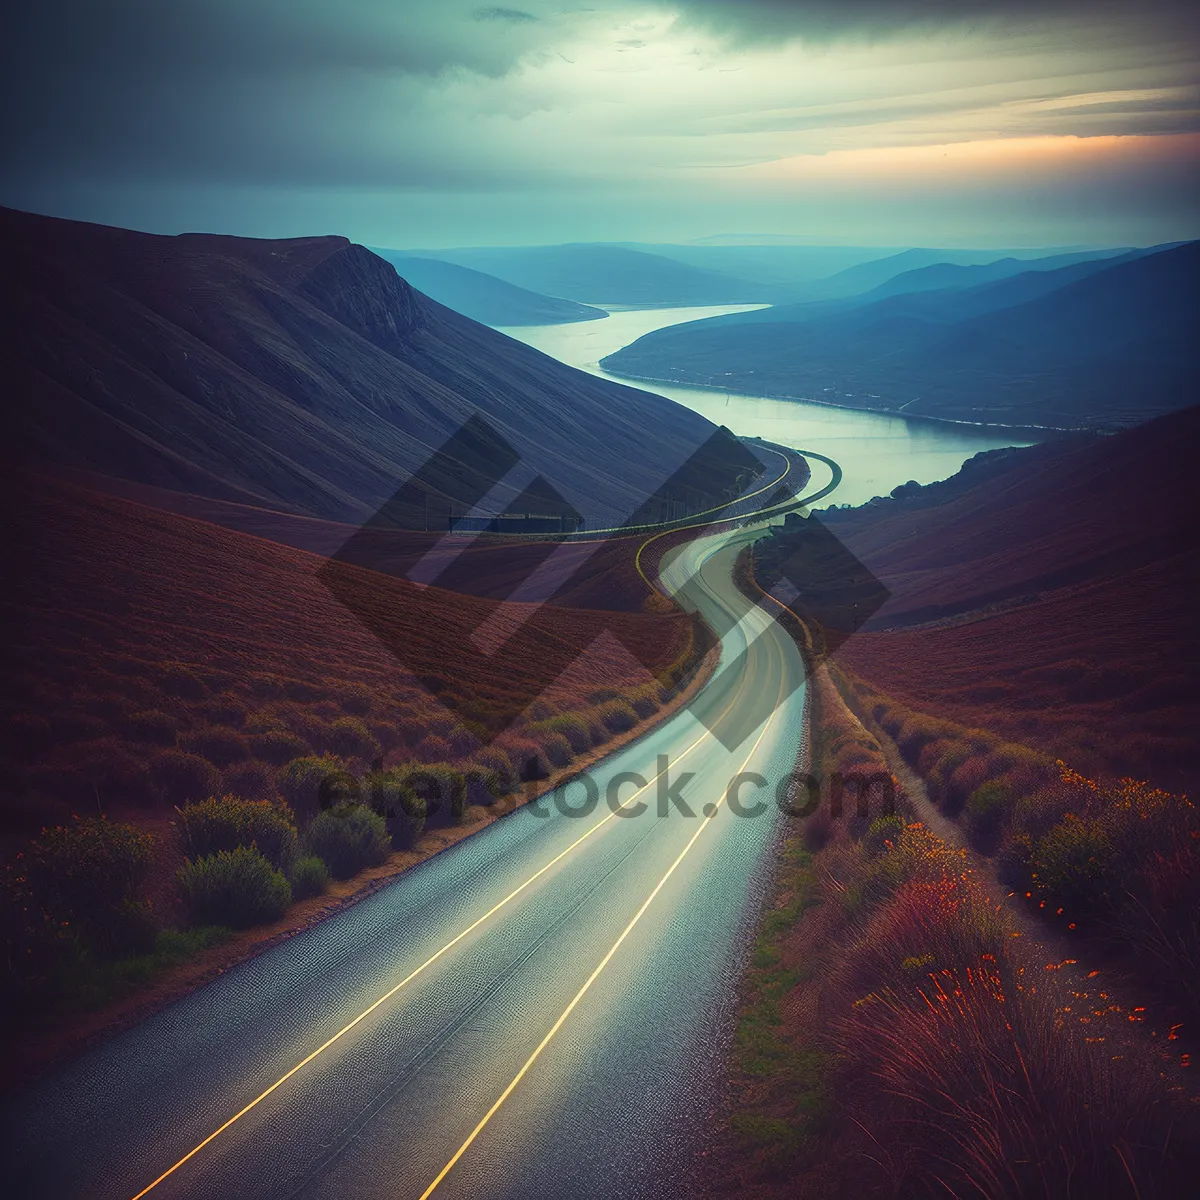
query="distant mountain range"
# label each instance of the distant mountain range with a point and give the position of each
(865, 276)
(303, 375)
(482, 297)
(940, 275)
(648, 275)
(608, 274)
(1096, 342)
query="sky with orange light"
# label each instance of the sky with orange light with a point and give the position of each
(955, 122)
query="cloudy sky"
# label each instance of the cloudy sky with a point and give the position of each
(444, 122)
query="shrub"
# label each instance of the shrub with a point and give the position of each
(1073, 863)
(87, 876)
(227, 822)
(266, 686)
(220, 745)
(972, 772)
(502, 778)
(915, 733)
(390, 795)
(277, 746)
(310, 877)
(933, 753)
(1013, 863)
(255, 780)
(816, 831)
(265, 722)
(386, 734)
(350, 738)
(180, 777)
(347, 838)
(572, 727)
(618, 716)
(557, 749)
(463, 742)
(150, 725)
(179, 680)
(237, 888)
(225, 710)
(310, 728)
(986, 809)
(529, 760)
(433, 748)
(442, 787)
(937, 778)
(311, 784)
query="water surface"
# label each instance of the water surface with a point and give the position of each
(876, 451)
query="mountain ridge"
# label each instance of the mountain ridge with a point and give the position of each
(483, 297)
(302, 374)
(1083, 345)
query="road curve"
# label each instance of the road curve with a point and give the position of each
(541, 1010)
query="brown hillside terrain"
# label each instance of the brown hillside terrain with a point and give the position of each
(152, 656)
(1052, 602)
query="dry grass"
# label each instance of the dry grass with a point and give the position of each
(892, 1042)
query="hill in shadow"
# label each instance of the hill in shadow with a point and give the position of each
(1093, 343)
(1047, 593)
(302, 375)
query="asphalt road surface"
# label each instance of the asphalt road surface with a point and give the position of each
(540, 1011)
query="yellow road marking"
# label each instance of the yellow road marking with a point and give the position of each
(427, 963)
(579, 995)
(637, 558)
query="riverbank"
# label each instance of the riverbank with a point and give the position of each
(879, 451)
(1033, 431)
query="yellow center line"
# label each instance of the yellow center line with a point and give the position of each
(637, 558)
(579, 995)
(429, 961)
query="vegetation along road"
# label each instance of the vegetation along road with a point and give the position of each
(545, 1000)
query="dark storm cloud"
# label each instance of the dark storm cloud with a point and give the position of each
(828, 20)
(406, 95)
(268, 88)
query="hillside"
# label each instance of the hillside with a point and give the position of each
(780, 266)
(863, 277)
(1076, 346)
(484, 298)
(141, 641)
(941, 275)
(1046, 594)
(608, 274)
(303, 375)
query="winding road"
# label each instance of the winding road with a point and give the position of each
(542, 1010)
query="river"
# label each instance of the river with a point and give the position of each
(876, 452)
